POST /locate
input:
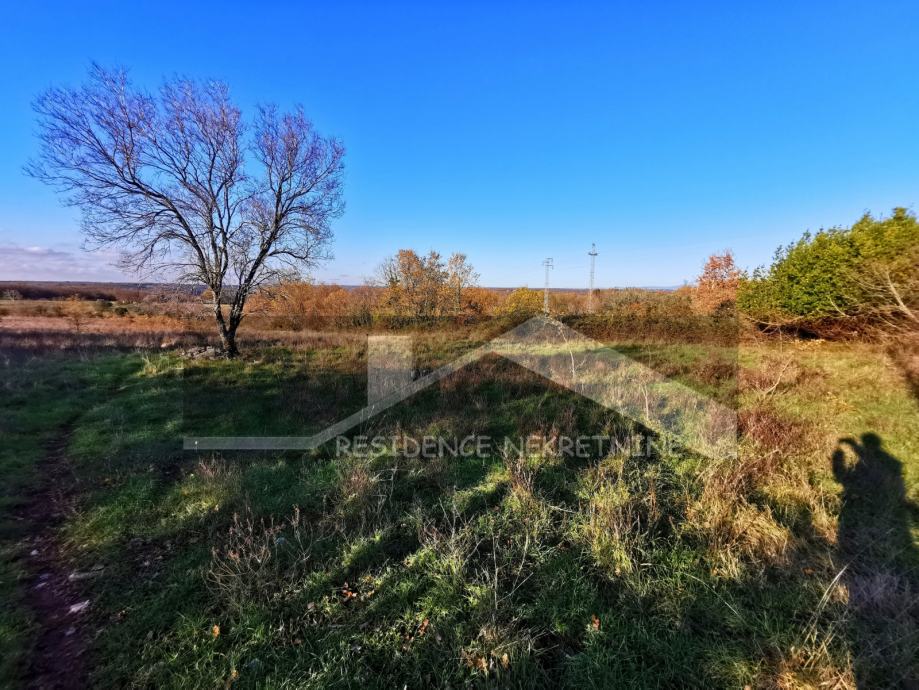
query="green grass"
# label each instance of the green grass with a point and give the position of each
(390, 571)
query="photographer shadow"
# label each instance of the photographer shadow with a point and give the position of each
(880, 560)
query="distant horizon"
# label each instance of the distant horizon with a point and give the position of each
(148, 284)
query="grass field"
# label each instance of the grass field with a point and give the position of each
(795, 564)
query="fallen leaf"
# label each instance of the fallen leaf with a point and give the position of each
(595, 622)
(215, 631)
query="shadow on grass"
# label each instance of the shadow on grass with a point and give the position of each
(881, 560)
(520, 598)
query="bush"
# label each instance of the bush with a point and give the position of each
(863, 274)
(522, 301)
(101, 306)
(716, 288)
(656, 315)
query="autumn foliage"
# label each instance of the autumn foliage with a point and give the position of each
(717, 285)
(425, 286)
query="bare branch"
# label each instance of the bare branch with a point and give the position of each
(172, 180)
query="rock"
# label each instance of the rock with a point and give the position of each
(205, 352)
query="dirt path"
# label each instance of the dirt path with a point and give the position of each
(53, 593)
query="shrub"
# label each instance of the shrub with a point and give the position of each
(863, 274)
(102, 306)
(522, 301)
(716, 288)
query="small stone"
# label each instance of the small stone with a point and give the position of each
(33, 552)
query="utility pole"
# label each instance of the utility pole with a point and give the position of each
(590, 290)
(545, 294)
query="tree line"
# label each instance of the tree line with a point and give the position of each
(181, 182)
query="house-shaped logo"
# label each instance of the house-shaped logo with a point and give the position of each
(556, 352)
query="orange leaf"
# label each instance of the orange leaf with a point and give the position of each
(595, 622)
(215, 631)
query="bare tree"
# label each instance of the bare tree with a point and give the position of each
(184, 187)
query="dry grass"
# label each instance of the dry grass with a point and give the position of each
(361, 496)
(261, 560)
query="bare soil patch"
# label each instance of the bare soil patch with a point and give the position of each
(57, 659)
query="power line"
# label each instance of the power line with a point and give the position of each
(590, 290)
(545, 295)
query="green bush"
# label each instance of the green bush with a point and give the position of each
(867, 272)
(101, 306)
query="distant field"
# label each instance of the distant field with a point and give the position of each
(795, 564)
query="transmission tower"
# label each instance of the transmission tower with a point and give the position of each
(590, 290)
(545, 294)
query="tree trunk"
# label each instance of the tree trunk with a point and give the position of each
(228, 342)
(227, 331)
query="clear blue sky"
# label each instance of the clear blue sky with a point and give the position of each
(516, 131)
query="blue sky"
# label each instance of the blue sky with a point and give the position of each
(517, 131)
